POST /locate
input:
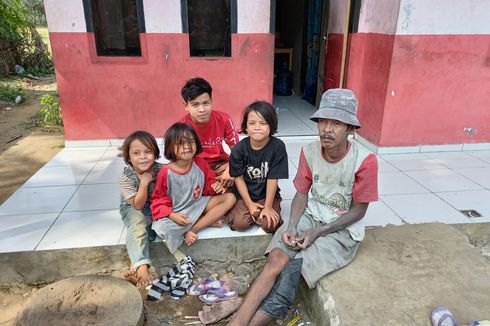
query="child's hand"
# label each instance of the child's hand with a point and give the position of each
(180, 219)
(269, 218)
(226, 180)
(254, 209)
(218, 188)
(145, 177)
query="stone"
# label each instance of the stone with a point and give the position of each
(84, 300)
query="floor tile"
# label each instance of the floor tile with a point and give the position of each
(105, 173)
(413, 161)
(390, 183)
(443, 180)
(464, 200)
(294, 148)
(226, 232)
(94, 197)
(291, 169)
(378, 214)
(384, 166)
(457, 160)
(423, 208)
(83, 229)
(287, 188)
(37, 200)
(77, 156)
(482, 155)
(23, 232)
(58, 176)
(478, 175)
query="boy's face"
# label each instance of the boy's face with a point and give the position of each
(199, 109)
(257, 128)
(333, 133)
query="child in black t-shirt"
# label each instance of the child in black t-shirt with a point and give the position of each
(257, 162)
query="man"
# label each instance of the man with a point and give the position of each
(335, 182)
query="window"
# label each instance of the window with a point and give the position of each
(117, 25)
(209, 27)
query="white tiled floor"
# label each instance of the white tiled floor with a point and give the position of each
(73, 200)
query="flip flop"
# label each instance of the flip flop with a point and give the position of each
(218, 296)
(441, 316)
(199, 288)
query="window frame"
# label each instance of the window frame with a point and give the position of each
(104, 58)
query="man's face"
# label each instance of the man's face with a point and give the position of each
(333, 133)
(199, 109)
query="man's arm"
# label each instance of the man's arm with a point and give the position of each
(355, 213)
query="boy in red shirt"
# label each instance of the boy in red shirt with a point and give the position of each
(212, 127)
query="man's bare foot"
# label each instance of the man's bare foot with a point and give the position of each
(144, 277)
(131, 276)
(190, 238)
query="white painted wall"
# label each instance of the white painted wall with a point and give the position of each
(379, 16)
(443, 17)
(162, 16)
(65, 16)
(253, 16)
(336, 16)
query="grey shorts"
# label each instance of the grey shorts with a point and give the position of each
(281, 297)
(325, 255)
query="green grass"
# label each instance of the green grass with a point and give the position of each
(43, 31)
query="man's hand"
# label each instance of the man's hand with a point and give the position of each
(180, 219)
(145, 177)
(226, 180)
(218, 188)
(269, 217)
(254, 209)
(306, 238)
(289, 237)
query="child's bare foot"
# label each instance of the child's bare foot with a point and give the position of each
(190, 238)
(131, 276)
(144, 277)
(217, 224)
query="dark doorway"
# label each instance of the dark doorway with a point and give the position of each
(300, 27)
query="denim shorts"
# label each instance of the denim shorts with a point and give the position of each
(281, 297)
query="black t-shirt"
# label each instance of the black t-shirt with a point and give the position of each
(256, 166)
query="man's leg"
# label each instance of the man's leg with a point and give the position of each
(281, 298)
(276, 262)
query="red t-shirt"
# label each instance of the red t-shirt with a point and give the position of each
(219, 128)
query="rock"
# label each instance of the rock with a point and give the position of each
(19, 70)
(84, 300)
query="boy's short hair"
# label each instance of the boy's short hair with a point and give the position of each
(179, 133)
(195, 87)
(266, 110)
(146, 139)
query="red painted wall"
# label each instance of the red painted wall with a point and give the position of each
(333, 61)
(416, 89)
(441, 85)
(107, 98)
(367, 74)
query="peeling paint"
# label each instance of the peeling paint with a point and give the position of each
(407, 11)
(470, 131)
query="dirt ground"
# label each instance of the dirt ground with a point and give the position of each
(24, 148)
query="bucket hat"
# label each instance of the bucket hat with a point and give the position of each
(338, 104)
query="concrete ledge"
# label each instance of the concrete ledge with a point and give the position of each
(211, 255)
(400, 274)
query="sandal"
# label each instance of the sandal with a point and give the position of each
(199, 288)
(441, 316)
(217, 296)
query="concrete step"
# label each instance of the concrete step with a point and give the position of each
(400, 274)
